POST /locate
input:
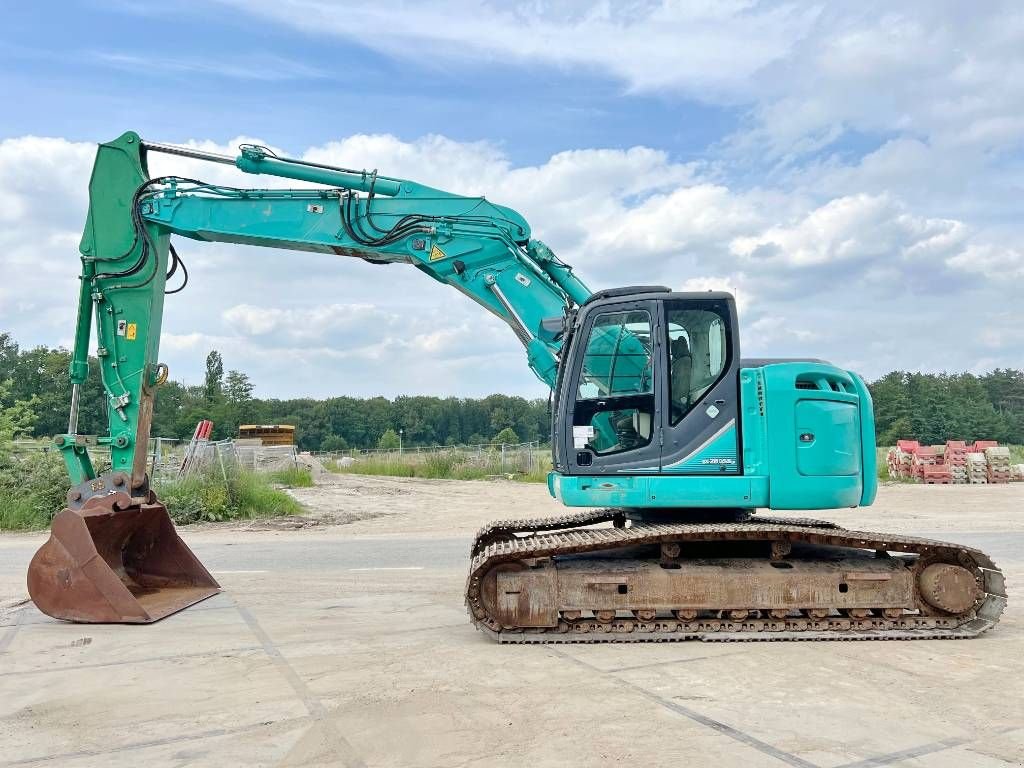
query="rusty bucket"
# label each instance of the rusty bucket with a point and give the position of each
(116, 561)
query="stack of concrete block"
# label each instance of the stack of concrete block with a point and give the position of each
(958, 473)
(1016, 472)
(998, 464)
(956, 460)
(892, 462)
(905, 463)
(977, 468)
(926, 456)
(936, 474)
(900, 459)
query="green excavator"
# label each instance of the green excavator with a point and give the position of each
(663, 436)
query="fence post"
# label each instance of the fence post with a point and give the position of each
(220, 459)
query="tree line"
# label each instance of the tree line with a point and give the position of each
(918, 406)
(226, 398)
(933, 408)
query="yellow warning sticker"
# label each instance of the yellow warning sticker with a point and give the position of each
(436, 254)
(130, 332)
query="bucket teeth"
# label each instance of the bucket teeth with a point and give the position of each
(116, 560)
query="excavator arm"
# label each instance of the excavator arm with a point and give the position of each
(113, 554)
(481, 249)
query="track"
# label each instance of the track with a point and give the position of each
(531, 541)
(500, 530)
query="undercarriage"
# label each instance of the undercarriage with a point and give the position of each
(762, 578)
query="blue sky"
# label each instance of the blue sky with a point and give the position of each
(854, 174)
(176, 70)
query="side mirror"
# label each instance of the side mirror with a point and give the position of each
(551, 329)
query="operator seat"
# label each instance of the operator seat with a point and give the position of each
(681, 373)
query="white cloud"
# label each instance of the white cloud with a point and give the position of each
(953, 73)
(304, 324)
(704, 46)
(260, 67)
(860, 228)
(768, 329)
(992, 261)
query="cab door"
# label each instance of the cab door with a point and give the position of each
(701, 409)
(614, 392)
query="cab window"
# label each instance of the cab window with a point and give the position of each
(615, 397)
(698, 347)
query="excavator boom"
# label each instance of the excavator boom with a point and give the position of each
(113, 554)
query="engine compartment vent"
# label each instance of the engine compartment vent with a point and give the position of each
(824, 383)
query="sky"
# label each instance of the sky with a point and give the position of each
(853, 172)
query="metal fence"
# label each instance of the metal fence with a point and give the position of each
(226, 456)
(170, 457)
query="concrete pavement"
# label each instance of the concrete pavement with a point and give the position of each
(327, 648)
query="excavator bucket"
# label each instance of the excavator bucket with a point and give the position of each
(116, 561)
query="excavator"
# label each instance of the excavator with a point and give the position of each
(665, 441)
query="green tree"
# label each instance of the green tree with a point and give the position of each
(213, 384)
(16, 417)
(237, 387)
(389, 441)
(8, 355)
(507, 437)
(333, 444)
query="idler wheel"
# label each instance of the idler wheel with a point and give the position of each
(948, 587)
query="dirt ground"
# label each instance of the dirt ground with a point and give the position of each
(341, 639)
(443, 507)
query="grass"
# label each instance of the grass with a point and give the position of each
(293, 477)
(208, 498)
(33, 489)
(443, 465)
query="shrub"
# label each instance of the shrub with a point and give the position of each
(507, 436)
(208, 498)
(389, 441)
(333, 444)
(33, 488)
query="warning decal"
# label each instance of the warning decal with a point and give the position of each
(436, 254)
(130, 333)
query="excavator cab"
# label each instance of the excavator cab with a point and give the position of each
(649, 385)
